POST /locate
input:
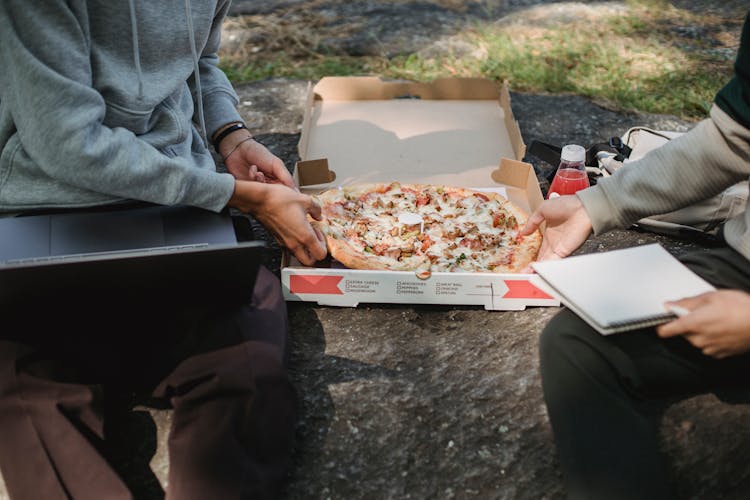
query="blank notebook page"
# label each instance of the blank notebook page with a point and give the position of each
(621, 286)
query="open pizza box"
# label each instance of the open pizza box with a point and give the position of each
(458, 132)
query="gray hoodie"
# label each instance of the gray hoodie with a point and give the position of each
(98, 103)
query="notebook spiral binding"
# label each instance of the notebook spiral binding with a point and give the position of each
(636, 324)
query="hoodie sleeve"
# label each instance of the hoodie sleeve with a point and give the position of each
(47, 86)
(219, 98)
(697, 165)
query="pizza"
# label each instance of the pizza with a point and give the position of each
(424, 228)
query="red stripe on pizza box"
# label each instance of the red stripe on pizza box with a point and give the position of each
(523, 289)
(310, 283)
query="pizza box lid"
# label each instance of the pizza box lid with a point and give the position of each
(452, 131)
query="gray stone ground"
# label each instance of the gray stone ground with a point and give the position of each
(401, 401)
(441, 401)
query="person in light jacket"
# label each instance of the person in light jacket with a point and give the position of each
(602, 393)
(102, 103)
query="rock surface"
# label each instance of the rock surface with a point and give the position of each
(442, 401)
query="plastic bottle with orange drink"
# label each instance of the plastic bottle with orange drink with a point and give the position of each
(571, 174)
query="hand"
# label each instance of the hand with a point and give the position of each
(283, 212)
(248, 160)
(718, 323)
(568, 226)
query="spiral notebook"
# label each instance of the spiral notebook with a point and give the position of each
(622, 290)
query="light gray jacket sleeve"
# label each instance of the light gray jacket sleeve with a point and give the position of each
(219, 98)
(695, 166)
(47, 84)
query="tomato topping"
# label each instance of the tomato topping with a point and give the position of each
(471, 243)
(380, 249)
(423, 199)
(498, 220)
(426, 243)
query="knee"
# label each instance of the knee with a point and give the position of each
(569, 349)
(566, 340)
(229, 371)
(558, 335)
(249, 364)
(267, 294)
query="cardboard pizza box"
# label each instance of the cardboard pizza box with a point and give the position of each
(455, 131)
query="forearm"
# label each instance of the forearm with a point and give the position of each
(229, 137)
(219, 97)
(249, 197)
(712, 156)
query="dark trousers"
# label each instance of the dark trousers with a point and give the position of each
(601, 392)
(220, 367)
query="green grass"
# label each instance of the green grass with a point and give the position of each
(630, 62)
(286, 67)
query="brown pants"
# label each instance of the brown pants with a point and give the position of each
(221, 368)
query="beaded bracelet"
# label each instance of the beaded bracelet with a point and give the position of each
(222, 135)
(237, 146)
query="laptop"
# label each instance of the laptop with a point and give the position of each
(154, 253)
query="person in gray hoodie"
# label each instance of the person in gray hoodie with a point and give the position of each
(603, 393)
(101, 103)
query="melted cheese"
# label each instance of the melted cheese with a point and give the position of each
(460, 233)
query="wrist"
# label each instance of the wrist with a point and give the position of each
(248, 196)
(232, 143)
(229, 133)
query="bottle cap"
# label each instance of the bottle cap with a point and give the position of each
(573, 152)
